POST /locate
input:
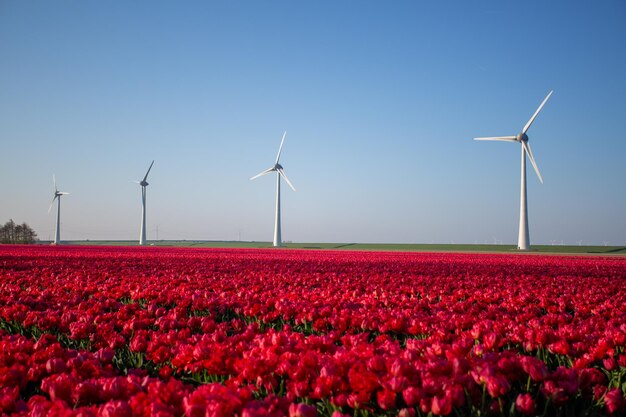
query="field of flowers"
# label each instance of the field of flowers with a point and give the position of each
(93, 331)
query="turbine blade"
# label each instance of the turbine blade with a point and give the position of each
(51, 204)
(282, 174)
(54, 181)
(532, 119)
(146, 177)
(260, 174)
(532, 159)
(63, 193)
(281, 146)
(500, 138)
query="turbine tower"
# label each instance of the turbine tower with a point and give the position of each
(143, 183)
(523, 240)
(279, 173)
(57, 196)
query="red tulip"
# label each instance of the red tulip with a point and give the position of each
(554, 392)
(302, 410)
(407, 412)
(361, 379)
(599, 391)
(58, 387)
(525, 404)
(116, 409)
(441, 406)
(139, 342)
(412, 396)
(614, 401)
(456, 394)
(386, 399)
(85, 393)
(497, 385)
(55, 366)
(536, 369)
(610, 364)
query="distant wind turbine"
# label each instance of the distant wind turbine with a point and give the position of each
(144, 184)
(57, 196)
(523, 241)
(279, 173)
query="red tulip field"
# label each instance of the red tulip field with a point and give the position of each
(105, 331)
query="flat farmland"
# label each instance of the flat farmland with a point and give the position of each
(394, 247)
(122, 331)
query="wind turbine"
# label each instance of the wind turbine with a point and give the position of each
(57, 196)
(279, 173)
(523, 240)
(143, 183)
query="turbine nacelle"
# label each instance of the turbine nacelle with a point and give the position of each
(144, 181)
(278, 167)
(522, 137)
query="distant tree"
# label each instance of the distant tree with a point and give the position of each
(17, 233)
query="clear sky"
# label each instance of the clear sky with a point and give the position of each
(380, 101)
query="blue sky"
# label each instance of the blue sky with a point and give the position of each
(380, 101)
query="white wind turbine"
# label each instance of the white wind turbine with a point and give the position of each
(279, 173)
(523, 241)
(143, 183)
(57, 196)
